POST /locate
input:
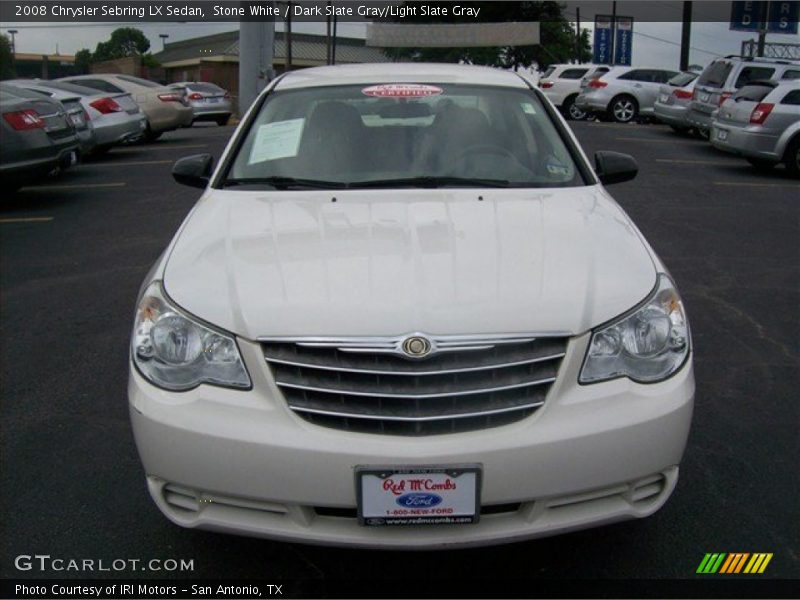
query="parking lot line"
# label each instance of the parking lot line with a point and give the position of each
(133, 164)
(82, 186)
(747, 183)
(26, 220)
(682, 161)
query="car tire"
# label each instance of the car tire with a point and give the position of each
(623, 108)
(571, 110)
(152, 136)
(760, 164)
(680, 130)
(792, 157)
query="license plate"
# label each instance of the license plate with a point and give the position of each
(722, 135)
(663, 98)
(436, 495)
(143, 124)
(704, 97)
(76, 120)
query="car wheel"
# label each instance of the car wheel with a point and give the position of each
(792, 157)
(760, 164)
(572, 111)
(151, 135)
(624, 109)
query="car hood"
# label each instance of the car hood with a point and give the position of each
(298, 263)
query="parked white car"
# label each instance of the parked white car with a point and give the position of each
(624, 93)
(435, 329)
(562, 84)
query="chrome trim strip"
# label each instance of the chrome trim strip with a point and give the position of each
(414, 373)
(416, 419)
(394, 344)
(309, 388)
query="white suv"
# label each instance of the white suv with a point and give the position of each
(405, 313)
(725, 76)
(562, 84)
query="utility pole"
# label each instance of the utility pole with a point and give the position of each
(288, 37)
(13, 33)
(163, 37)
(256, 41)
(613, 30)
(328, 37)
(578, 35)
(762, 31)
(333, 49)
(686, 34)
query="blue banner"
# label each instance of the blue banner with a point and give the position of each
(750, 16)
(623, 44)
(602, 39)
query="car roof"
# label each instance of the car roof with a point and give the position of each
(375, 73)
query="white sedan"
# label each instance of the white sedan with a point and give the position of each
(405, 313)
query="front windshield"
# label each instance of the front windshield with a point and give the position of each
(390, 135)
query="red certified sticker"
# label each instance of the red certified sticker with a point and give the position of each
(402, 90)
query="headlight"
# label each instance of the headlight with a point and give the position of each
(176, 352)
(647, 345)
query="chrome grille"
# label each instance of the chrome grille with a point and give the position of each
(367, 385)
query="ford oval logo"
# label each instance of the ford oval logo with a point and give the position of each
(417, 500)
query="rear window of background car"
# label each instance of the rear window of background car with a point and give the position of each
(208, 88)
(682, 79)
(573, 73)
(753, 93)
(99, 84)
(716, 74)
(753, 73)
(791, 74)
(792, 98)
(548, 72)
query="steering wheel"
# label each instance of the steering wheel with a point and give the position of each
(484, 149)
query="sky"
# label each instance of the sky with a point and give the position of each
(654, 44)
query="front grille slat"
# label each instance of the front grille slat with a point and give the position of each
(366, 385)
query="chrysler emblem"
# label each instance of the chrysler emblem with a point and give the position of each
(416, 346)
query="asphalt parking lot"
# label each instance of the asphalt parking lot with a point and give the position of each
(74, 250)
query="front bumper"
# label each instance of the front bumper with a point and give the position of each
(744, 141)
(243, 462)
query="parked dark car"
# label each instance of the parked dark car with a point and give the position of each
(37, 138)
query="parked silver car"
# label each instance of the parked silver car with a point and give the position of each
(724, 76)
(209, 102)
(37, 137)
(164, 108)
(672, 104)
(624, 93)
(72, 105)
(761, 122)
(116, 118)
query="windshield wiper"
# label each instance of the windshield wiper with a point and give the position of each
(285, 183)
(430, 181)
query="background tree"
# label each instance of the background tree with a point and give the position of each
(125, 41)
(6, 59)
(557, 36)
(83, 60)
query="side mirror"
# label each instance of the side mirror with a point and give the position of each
(194, 171)
(614, 167)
